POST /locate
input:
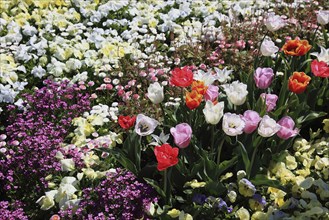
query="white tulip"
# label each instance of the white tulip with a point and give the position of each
(268, 48)
(268, 127)
(213, 113)
(233, 124)
(236, 92)
(145, 125)
(274, 22)
(155, 93)
(323, 17)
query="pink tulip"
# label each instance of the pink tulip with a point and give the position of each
(287, 128)
(182, 134)
(251, 118)
(211, 93)
(270, 100)
(263, 77)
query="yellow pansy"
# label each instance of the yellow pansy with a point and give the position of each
(174, 213)
(326, 125)
(291, 162)
(277, 195)
(194, 184)
(243, 214)
(259, 216)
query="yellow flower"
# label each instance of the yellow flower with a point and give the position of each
(243, 214)
(326, 125)
(277, 195)
(259, 216)
(174, 213)
(194, 184)
(291, 162)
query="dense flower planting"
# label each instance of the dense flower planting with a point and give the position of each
(155, 109)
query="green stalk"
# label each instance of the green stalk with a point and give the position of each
(165, 183)
(258, 51)
(212, 140)
(220, 150)
(252, 161)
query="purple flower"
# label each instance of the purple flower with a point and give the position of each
(182, 134)
(287, 128)
(251, 118)
(199, 198)
(270, 100)
(263, 77)
(211, 93)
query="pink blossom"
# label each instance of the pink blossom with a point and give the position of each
(211, 93)
(182, 134)
(270, 100)
(251, 118)
(287, 128)
(263, 77)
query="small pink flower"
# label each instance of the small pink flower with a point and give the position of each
(287, 128)
(211, 93)
(182, 134)
(91, 83)
(107, 80)
(263, 77)
(251, 118)
(93, 96)
(270, 100)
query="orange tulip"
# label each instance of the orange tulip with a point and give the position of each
(193, 99)
(298, 82)
(296, 47)
(199, 87)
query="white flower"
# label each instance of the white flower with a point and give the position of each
(323, 55)
(47, 201)
(145, 125)
(243, 214)
(233, 124)
(67, 164)
(38, 71)
(274, 22)
(159, 140)
(268, 48)
(213, 113)
(323, 17)
(155, 93)
(236, 92)
(223, 75)
(268, 127)
(205, 77)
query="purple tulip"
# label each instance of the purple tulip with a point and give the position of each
(211, 93)
(270, 100)
(251, 119)
(287, 128)
(263, 77)
(182, 134)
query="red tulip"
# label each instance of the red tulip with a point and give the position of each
(320, 69)
(181, 77)
(166, 156)
(126, 122)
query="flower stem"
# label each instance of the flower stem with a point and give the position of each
(220, 150)
(165, 183)
(252, 161)
(212, 140)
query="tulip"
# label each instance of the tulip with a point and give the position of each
(233, 124)
(199, 86)
(268, 48)
(145, 125)
(193, 99)
(274, 22)
(287, 128)
(213, 113)
(320, 69)
(323, 17)
(296, 47)
(181, 77)
(298, 82)
(251, 118)
(236, 92)
(268, 127)
(155, 93)
(126, 122)
(211, 93)
(182, 134)
(263, 77)
(270, 101)
(166, 156)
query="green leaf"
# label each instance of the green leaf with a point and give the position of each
(261, 179)
(132, 147)
(155, 185)
(310, 116)
(215, 187)
(245, 158)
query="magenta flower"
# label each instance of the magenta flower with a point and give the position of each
(263, 77)
(251, 118)
(270, 100)
(287, 128)
(182, 134)
(211, 93)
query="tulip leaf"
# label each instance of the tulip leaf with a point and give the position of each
(245, 157)
(310, 116)
(215, 187)
(261, 179)
(132, 147)
(155, 185)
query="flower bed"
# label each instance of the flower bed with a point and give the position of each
(150, 109)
